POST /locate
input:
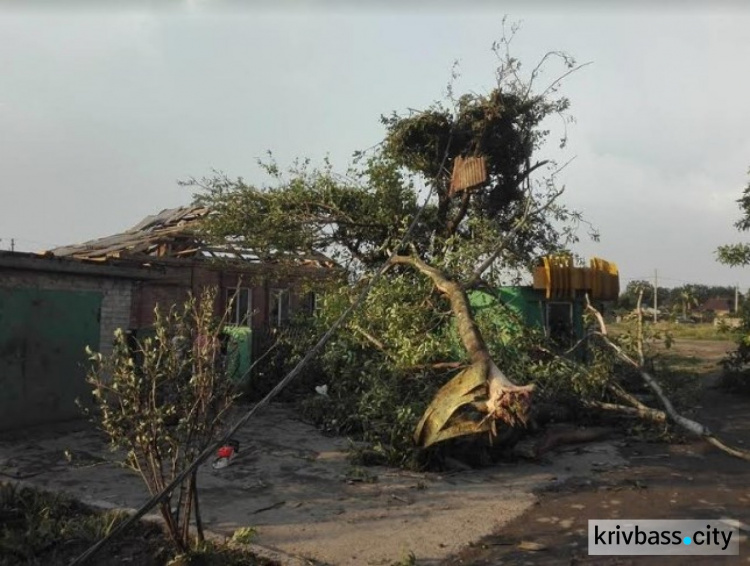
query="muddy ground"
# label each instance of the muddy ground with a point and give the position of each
(687, 480)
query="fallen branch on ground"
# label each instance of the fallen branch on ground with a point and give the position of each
(687, 424)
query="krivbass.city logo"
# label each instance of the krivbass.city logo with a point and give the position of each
(652, 537)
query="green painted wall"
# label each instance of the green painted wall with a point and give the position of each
(524, 301)
(239, 352)
(43, 336)
(528, 302)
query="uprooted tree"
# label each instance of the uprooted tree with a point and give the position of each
(416, 364)
(468, 235)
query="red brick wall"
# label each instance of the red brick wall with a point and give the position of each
(180, 280)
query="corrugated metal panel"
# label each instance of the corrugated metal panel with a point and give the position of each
(468, 172)
(560, 278)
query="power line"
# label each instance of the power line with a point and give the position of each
(203, 456)
(19, 242)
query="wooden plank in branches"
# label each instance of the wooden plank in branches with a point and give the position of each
(468, 173)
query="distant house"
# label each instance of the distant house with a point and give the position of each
(718, 306)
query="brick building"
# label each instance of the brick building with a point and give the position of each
(269, 289)
(50, 311)
(55, 304)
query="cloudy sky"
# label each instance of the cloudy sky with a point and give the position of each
(103, 111)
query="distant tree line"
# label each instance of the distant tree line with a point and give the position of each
(681, 300)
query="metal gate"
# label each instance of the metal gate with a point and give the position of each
(43, 364)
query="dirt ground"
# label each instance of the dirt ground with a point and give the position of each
(309, 503)
(297, 488)
(690, 480)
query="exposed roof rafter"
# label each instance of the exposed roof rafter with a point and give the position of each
(174, 233)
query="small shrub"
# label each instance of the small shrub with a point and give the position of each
(245, 535)
(736, 365)
(162, 402)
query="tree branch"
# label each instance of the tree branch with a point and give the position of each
(519, 224)
(454, 222)
(689, 425)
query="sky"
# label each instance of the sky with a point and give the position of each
(103, 110)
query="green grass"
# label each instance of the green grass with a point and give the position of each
(47, 529)
(700, 331)
(38, 527)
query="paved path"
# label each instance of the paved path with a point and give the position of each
(290, 482)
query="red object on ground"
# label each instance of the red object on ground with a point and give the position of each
(225, 452)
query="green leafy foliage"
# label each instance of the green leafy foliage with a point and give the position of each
(736, 376)
(161, 400)
(738, 254)
(245, 535)
(376, 393)
(736, 365)
(356, 216)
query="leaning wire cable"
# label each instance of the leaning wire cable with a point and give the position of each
(211, 449)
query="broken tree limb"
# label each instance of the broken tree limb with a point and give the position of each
(643, 411)
(520, 223)
(482, 385)
(687, 424)
(634, 407)
(654, 415)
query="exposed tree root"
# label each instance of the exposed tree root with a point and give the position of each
(480, 395)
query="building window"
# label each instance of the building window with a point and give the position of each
(278, 313)
(310, 304)
(240, 306)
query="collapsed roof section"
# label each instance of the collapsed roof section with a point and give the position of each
(174, 233)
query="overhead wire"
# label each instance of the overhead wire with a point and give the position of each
(211, 449)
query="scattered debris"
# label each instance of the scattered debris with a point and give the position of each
(269, 507)
(359, 475)
(531, 546)
(401, 499)
(245, 535)
(226, 454)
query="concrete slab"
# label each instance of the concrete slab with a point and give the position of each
(295, 486)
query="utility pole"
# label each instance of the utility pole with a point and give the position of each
(656, 292)
(12, 244)
(736, 298)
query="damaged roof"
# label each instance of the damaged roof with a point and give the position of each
(174, 233)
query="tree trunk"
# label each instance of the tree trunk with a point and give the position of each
(482, 385)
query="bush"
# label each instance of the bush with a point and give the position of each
(736, 365)
(162, 399)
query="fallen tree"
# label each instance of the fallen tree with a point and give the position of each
(493, 207)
